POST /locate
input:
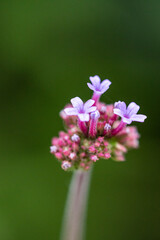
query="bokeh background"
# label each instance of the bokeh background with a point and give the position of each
(48, 50)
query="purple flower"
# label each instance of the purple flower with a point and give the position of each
(97, 86)
(81, 109)
(128, 114)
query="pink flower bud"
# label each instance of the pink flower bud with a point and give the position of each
(100, 155)
(59, 155)
(94, 158)
(107, 155)
(83, 155)
(92, 149)
(97, 144)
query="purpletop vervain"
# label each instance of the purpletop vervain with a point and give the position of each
(98, 87)
(94, 130)
(128, 114)
(80, 109)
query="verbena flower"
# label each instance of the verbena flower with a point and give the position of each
(94, 130)
(98, 87)
(128, 114)
(80, 109)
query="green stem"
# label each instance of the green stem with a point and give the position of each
(76, 206)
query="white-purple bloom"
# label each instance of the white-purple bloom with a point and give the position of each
(97, 86)
(53, 149)
(107, 127)
(75, 138)
(95, 115)
(81, 109)
(128, 114)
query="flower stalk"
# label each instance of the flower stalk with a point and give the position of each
(73, 227)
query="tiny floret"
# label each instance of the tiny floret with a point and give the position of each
(53, 149)
(128, 114)
(97, 86)
(80, 109)
(107, 127)
(66, 165)
(95, 115)
(75, 138)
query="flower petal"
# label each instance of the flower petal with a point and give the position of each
(91, 86)
(84, 117)
(120, 105)
(126, 120)
(105, 85)
(91, 109)
(132, 108)
(71, 111)
(88, 104)
(95, 115)
(118, 112)
(139, 117)
(77, 103)
(95, 81)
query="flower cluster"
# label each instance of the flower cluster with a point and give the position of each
(94, 130)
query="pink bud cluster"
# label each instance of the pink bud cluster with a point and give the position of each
(74, 150)
(94, 130)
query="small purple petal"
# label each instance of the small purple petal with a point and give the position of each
(120, 105)
(132, 108)
(71, 111)
(77, 103)
(95, 81)
(118, 112)
(88, 104)
(84, 117)
(105, 85)
(127, 120)
(91, 109)
(139, 117)
(91, 86)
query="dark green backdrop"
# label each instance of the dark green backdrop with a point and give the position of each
(48, 50)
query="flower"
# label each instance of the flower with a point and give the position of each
(98, 133)
(128, 114)
(75, 138)
(81, 109)
(97, 86)
(53, 149)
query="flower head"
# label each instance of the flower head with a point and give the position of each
(81, 109)
(128, 114)
(98, 133)
(97, 86)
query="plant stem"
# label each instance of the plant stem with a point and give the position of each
(76, 206)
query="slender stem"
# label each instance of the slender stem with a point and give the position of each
(76, 206)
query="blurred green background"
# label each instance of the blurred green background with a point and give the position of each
(48, 50)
